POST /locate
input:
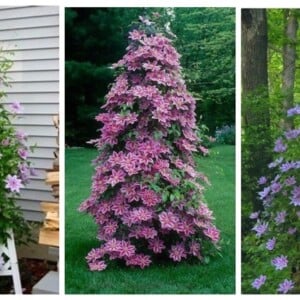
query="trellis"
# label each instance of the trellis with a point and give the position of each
(10, 266)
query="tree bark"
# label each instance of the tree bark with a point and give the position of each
(254, 49)
(289, 63)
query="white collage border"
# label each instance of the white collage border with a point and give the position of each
(238, 5)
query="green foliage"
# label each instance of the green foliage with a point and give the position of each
(203, 133)
(256, 152)
(275, 66)
(254, 248)
(276, 40)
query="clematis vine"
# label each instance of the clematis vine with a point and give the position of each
(277, 229)
(147, 197)
(15, 172)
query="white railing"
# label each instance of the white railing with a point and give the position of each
(10, 263)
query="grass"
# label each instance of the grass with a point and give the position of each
(217, 277)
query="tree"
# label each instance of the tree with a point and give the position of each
(206, 40)
(95, 38)
(254, 51)
(289, 62)
(146, 195)
(255, 105)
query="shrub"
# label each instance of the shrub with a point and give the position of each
(226, 135)
(147, 198)
(15, 169)
(206, 140)
(274, 248)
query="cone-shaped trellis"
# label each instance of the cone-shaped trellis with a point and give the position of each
(147, 197)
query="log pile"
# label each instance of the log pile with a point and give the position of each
(49, 233)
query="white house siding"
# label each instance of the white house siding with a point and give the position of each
(32, 34)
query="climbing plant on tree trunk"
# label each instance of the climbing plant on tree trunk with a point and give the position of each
(256, 137)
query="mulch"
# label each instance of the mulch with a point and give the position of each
(31, 271)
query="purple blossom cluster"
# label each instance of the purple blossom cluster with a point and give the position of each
(15, 173)
(16, 142)
(277, 225)
(147, 138)
(294, 111)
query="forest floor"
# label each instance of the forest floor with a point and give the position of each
(216, 277)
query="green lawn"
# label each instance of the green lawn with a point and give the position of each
(217, 277)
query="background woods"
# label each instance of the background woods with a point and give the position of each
(96, 38)
(270, 138)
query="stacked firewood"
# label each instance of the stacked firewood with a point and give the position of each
(49, 233)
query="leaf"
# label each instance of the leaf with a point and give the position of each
(157, 135)
(206, 260)
(165, 197)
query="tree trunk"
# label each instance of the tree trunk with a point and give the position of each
(254, 62)
(254, 49)
(255, 104)
(289, 63)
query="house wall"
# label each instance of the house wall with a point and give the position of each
(32, 34)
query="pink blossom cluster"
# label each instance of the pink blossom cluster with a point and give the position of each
(148, 136)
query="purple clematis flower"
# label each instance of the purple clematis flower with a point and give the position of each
(259, 281)
(13, 183)
(285, 286)
(280, 262)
